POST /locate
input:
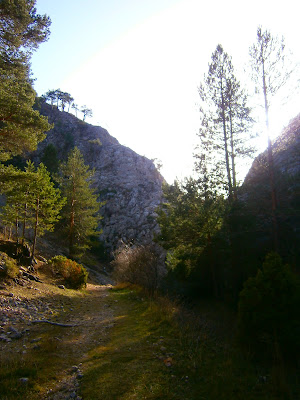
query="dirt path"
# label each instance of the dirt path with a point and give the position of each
(92, 317)
(51, 357)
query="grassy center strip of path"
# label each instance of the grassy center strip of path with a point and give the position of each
(150, 355)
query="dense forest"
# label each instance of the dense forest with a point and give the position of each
(219, 240)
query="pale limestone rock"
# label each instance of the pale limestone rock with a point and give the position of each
(128, 183)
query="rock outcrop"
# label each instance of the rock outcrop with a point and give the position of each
(286, 159)
(286, 154)
(128, 183)
(256, 191)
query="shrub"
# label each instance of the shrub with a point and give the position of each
(179, 261)
(74, 274)
(57, 264)
(8, 267)
(268, 317)
(137, 265)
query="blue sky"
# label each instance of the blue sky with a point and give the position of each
(137, 64)
(81, 28)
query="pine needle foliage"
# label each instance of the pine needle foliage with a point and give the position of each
(21, 31)
(32, 200)
(225, 122)
(81, 212)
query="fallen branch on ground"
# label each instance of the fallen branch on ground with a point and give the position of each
(53, 323)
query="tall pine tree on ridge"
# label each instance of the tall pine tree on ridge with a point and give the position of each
(225, 121)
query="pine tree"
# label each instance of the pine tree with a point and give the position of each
(209, 168)
(50, 158)
(75, 108)
(25, 192)
(46, 204)
(50, 96)
(15, 184)
(269, 73)
(189, 219)
(87, 112)
(21, 31)
(21, 27)
(81, 212)
(225, 120)
(31, 200)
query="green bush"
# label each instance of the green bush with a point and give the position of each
(181, 261)
(268, 317)
(74, 274)
(8, 267)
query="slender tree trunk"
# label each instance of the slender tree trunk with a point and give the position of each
(72, 222)
(271, 169)
(17, 229)
(24, 224)
(71, 232)
(35, 225)
(226, 145)
(232, 157)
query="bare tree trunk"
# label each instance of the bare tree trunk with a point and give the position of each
(226, 145)
(24, 224)
(17, 229)
(72, 222)
(232, 158)
(271, 169)
(35, 225)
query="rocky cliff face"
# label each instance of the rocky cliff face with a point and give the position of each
(286, 158)
(286, 153)
(257, 192)
(128, 183)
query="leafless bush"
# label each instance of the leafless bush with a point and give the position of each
(139, 265)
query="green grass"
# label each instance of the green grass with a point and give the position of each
(129, 366)
(154, 350)
(146, 336)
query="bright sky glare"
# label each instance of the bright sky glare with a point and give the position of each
(137, 64)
